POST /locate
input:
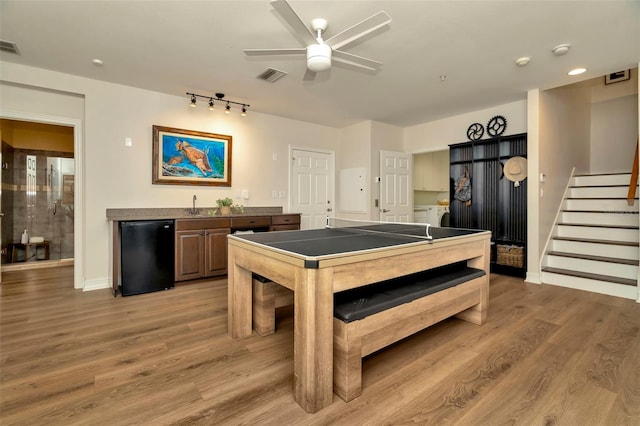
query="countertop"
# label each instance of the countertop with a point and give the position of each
(183, 213)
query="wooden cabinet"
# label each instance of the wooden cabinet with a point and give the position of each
(201, 248)
(431, 171)
(496, 203)
(201, 244)
(285, 222)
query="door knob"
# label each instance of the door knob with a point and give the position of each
(329, 209)
(385, 211)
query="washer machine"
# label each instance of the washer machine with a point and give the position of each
(442, 213)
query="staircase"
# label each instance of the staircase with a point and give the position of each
(595, 242)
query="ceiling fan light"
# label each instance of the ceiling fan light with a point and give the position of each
(318, 57)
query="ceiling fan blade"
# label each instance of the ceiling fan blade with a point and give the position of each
(355, 60)
(292, 51)
(288, 14)
(309, 75)
(359, 30)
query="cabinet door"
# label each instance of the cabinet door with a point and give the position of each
(440, 169)
(421, 166)
(216, 251)
(189, 255)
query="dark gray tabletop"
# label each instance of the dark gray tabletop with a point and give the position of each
(330, 241)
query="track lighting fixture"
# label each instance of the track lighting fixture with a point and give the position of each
(218, 97)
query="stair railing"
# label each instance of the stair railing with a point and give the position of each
(633, 182)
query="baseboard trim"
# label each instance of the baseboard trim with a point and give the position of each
(533, 278)
(96, 284)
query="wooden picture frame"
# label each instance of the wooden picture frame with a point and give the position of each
(616, 77)
(189, 157)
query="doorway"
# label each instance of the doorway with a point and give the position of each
(312, 186)
(38, 180)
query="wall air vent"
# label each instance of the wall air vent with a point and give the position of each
(9, 46)
(271, 75)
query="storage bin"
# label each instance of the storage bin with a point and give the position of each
(510, 255)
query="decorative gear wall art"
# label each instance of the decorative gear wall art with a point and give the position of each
(475, 131)
(497, 125)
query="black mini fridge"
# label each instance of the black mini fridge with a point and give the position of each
(147, 256)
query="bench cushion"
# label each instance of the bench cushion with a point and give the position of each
(358, 303)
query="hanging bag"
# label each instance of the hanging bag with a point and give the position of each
(463, 188)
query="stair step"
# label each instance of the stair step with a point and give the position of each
(593, 264)
(595, 247)
(603, 179)
(597, 241)
(587, 275)
(599, 204)
(600, 232)
(595, 258)
(587, 284)
(618, 191)
(600, 218)
(593, 225)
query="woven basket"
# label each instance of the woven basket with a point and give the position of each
(510, 255)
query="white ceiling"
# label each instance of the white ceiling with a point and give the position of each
(197, 46)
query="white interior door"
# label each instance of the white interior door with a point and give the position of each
(312, 186)
(395, 187)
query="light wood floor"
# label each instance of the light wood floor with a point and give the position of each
(546, 356)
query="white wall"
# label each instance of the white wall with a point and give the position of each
(120, 177)
(564, 128)
(354, 152)
(614, 132)
(360, 148)
(614, 124)
(438, 135)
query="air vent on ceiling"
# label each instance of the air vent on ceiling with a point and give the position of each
(271, 75)
(9, 46)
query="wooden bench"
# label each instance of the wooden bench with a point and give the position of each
(369, 318)
(267, 296)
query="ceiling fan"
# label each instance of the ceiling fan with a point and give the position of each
(320, 52)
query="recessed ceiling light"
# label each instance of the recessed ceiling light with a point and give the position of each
(577, 71)
(97, 62)
(561, 49)
(521, 62)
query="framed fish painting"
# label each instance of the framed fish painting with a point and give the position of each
(188, 157)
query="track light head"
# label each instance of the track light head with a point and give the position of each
(244, 111)
(227, 109)
(193, 101)
(210, 104)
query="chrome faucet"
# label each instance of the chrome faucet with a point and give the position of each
(193, 210)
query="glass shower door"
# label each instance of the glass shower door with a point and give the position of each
(60, 177)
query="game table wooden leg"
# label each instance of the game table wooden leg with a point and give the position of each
(239, 298)
(313, 338)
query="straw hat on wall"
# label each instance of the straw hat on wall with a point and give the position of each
(515, 169)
